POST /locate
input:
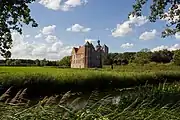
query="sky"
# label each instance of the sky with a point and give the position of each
(64, 24)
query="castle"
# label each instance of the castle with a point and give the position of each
(87, 56)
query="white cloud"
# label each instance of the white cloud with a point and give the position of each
(138, 21)
(127, 27)
(127, 45)
(48, 30)
(90, 40)
(38, 35)
(27, 36)
(62, 4)
(51, 4)
(74, 3)
(148, 35)
(51, 39)
(122, 29)
(162, 47)
(78, 28)
(177, 35)
(25, 50)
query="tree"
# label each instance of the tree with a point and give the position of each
(142, 57)
(13, 13)
(65, 61)
(157, 11)
(8, 62)
(37, 61)
(176, 57)
(43, 62)
(162, 56)
(145, 50)
(17, 62)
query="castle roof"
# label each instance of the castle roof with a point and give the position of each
(76, 49)
(79, 50)
(87, 44)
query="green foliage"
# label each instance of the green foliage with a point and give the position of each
(37, 62)
(65, 61)
(157, 11)
(176, 57)
(142, 58)
(43, 62)
(162, 56)
(13, 13)
(27, 62)
(8, 62)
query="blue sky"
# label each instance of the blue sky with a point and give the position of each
(67, 23)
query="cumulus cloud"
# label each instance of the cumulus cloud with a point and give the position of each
(127, 45)
(27, 36)
(38, 35)
(162, 47)
(127, 27)
(90, 40)
(51, 39)
(51, 4)
(78, 28)
(148, 35)
(64, 5)
(23, 49)
(74, 3)
(177, 35)
(48, 30)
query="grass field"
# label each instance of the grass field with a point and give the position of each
(38, 79)
(150, 92)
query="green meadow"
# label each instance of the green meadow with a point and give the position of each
(125, 92)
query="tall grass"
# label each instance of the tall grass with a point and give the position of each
(147, 102)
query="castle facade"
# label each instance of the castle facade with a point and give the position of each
(88, 56)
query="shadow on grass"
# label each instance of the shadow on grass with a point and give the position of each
(46, 85)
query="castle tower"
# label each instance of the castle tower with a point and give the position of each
(98, 47)
(89, 51)
(99, 53)
(87, 54)
(105, 50)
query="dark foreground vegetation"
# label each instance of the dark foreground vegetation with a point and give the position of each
(160, 102)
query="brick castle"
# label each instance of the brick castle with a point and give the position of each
(87, 56)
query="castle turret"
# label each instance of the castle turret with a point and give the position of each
(105, 49)
(98, 47)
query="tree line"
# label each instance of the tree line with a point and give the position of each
(37, 62)
(142, 57)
